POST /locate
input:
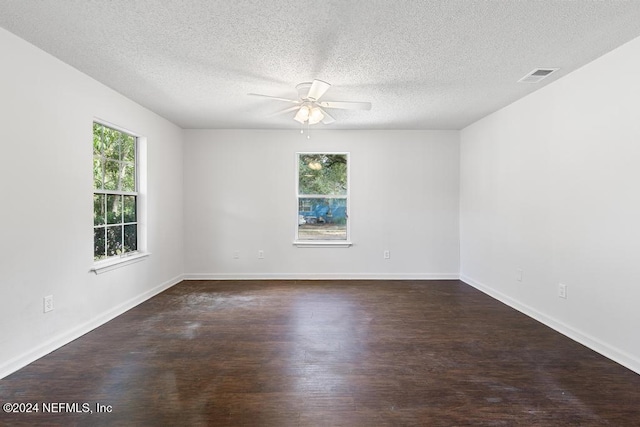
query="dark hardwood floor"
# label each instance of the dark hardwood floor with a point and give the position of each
(324, 353)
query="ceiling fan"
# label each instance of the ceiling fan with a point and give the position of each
(309, 109)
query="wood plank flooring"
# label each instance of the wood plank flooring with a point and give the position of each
(324, 353)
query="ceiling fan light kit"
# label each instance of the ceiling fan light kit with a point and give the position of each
(309, 108)
(302, 115)
(315, 116)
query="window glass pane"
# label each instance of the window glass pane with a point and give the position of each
(114, 209)
(114, 240)
(327, 219)
(98, 209)
(130, 238)
(97, 173)
(119, 176)
(99, 250)
(129, 208)
(111, 175)
(129, 148)
(111, 143)
(120, 137)
(128, 177)
(97, 139)
(324, 174)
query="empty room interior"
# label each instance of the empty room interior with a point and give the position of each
(346, 213)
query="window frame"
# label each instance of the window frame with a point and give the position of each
(116, 261)
(322, 243)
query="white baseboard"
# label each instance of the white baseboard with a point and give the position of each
(613, 353)
(321, 276)
(66, 337)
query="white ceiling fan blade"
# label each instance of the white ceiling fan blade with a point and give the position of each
(346, 105)
(327, 119)
(295, 101)
(277, 113)
(317, 89)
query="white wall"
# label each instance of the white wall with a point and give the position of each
(549, 184)
(46, 218)
(240, 195)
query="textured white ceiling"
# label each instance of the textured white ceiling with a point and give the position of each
(423, 64)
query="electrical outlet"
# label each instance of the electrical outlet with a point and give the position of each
(519, 275)
(260, 254)
(236, 254)
(48, 303)
(387, 255)
(562, 290)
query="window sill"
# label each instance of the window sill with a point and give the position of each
(115, 263)
(322, 244)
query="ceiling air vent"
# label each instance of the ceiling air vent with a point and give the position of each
(537, 75)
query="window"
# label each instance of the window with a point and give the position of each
(305, 206)
(323, 197)
(115, 195)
